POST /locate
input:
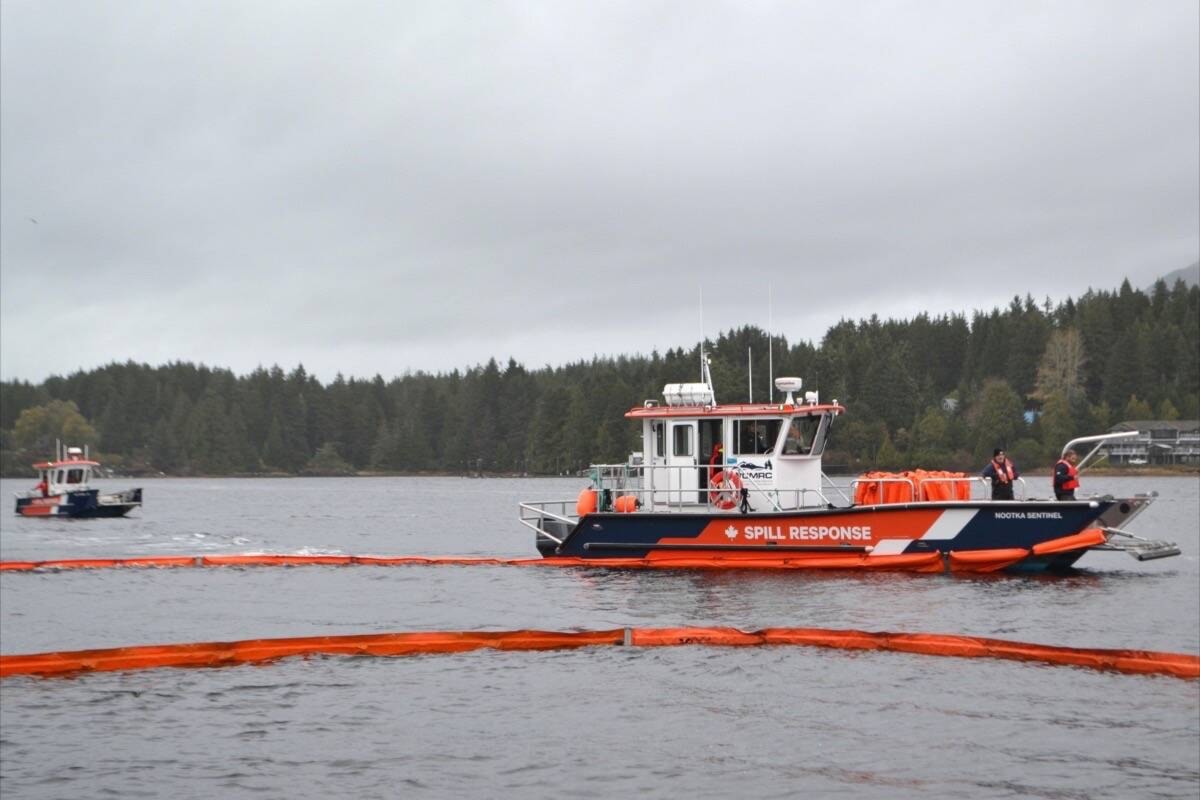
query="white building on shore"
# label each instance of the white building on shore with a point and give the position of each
(1158, 442)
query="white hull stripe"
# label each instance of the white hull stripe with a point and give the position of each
(890, 547)
(950, 523)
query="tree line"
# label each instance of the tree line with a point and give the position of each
(931, 391)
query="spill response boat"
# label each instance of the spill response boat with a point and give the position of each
(743, 485)
(63, 491)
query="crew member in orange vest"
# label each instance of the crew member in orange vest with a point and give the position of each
(1066, 476)
(1002, 473)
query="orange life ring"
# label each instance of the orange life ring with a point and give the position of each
(725, 489)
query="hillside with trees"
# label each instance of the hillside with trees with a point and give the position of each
(932, 391)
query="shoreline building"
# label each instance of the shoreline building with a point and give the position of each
(1158, 442)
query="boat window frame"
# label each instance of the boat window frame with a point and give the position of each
(75, 475)
(768, 441)
(690, 427)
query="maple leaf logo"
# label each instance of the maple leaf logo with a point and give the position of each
(731, 532)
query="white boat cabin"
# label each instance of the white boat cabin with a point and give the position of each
(71, 472)
(696, 452)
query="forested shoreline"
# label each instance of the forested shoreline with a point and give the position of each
(932, 391)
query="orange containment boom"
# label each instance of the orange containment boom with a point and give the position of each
(257, 651)
(762, 558)
(259, 560)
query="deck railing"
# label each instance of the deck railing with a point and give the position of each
(918, 491)
(686, 488)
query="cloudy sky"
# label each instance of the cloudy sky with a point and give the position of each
(381, 187)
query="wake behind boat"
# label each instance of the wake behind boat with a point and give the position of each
(763, 499)
(63, 491)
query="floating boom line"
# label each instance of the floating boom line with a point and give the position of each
(699, 557)
(259, 651)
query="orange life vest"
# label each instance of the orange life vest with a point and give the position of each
(1072, 481)
(1004, 472)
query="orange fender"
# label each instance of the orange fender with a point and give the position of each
(1079, 541)
(986, 560)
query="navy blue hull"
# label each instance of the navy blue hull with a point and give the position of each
(82, 504)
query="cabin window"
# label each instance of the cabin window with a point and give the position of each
(755, 437)
(660, 440)
(74, 476)
(682, 435)
(800, 437)
(58, 476)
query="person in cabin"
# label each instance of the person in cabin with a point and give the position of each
(1066, 476)
(795, 444)
(1002, 473)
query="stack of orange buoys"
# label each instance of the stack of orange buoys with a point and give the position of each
(216, 654)
(881, 488)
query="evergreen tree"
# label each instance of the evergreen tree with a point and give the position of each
(998, 419)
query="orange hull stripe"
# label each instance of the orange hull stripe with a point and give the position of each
(38, 510)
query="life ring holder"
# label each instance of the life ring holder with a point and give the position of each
(724, 489)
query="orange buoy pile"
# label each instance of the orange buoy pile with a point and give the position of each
(881, 488)
(257, 651)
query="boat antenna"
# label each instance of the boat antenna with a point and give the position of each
(770, 343)
(750, 371)
(705, 372)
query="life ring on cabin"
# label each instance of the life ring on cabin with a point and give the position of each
(724, 489)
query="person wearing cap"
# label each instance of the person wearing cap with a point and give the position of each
(1066, 476)
(1002, 473)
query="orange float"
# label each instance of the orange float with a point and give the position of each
(626, 504)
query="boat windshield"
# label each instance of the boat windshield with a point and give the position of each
(801, 435)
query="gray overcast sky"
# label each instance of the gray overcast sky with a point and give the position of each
(382, 187)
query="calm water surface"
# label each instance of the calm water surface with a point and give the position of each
(673, 722)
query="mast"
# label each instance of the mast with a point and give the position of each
(705, 372)
(770, 343)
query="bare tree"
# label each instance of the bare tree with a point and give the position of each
(1061, 367)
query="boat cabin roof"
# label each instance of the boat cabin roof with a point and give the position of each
(72, 462)
(734, 410)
